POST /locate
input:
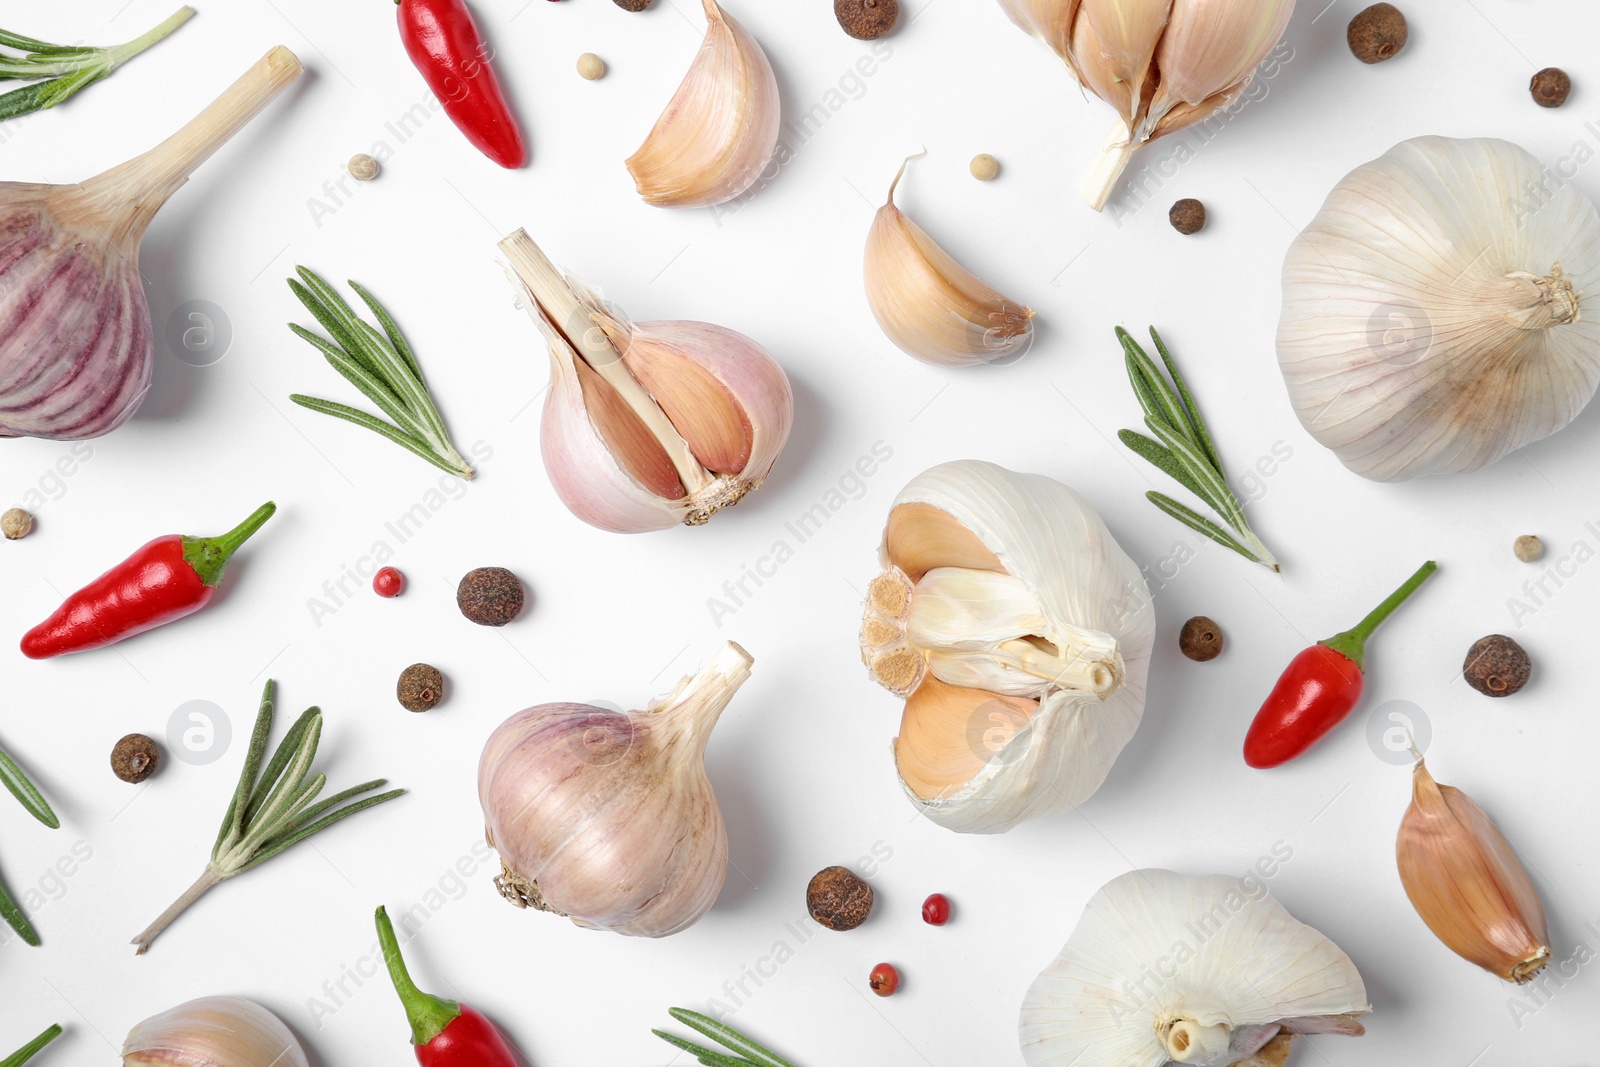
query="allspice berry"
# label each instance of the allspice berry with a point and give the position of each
(16, 523)
(838, 898)
(490, 596)
(1187, 216)
(1496, 666)
(1200, 639)
(420, 688)
(633, 5)
(1528, 548)
(867, 20)
(1550, 87)
(1378, 33)
(135, 758)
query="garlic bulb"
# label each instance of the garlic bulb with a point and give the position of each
(1018, 632)
(608, 818)
(213, 1032)
(652, 424)
(1466, 882)
(76, 343)
(721, 126)
(929, 305)
(1191, 969)
(1163, 65)
(1439, 311)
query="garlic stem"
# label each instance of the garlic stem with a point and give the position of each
(553, 294)
(689, 712)
(1189, 1042)
(1110, 160)
(202, 885)
(1554, 301)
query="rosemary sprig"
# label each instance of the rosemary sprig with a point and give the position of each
(1183, 448)
(31, 1049)
(65, 69)
(746, 1053)
(272, 809)
(382, 366)
(17, 782)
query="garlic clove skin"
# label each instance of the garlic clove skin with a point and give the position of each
(1210, 48)
(929, 305)
(1114, 44)
(213, 1032)
(721, 126)
(1465, 881)
(1437, 314)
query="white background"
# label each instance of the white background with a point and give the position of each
(801, 760)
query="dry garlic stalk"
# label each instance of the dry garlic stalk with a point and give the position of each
(721, 126)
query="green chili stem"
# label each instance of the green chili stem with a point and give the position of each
(428, 1014)
(1352, 643)
(209, 555)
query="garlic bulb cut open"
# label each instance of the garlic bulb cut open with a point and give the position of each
(721, 126)
(1206, 970)
(1440, 310)
(213, 1032)
(647, 425)
(929, 305)
(1019, 634)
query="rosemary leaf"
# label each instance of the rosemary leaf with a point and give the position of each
(272, 847)
(399, 437)
(285, 751)
(391, 329)
(709, 1057)
(1216, 492)
(28, 1051)
(355, 372)
(728, 1038)
(12, 777)
(1199, 523)
(67, 68)
(1160, 456)
(1202, 434)
(12, 913)
(233, 821)
(1168, 408)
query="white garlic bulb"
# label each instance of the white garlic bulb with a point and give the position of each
(607, 817)
(1205, 970)
(1439, 311)
(652, 424)
(721, 126)
(1019, 633)
(213, 1032)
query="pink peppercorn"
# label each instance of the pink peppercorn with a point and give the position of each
(388, 582)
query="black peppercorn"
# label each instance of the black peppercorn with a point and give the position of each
(420, 688)
(1378, 33)
(135, 758)
(1187, 216)
(1200, 639)
(1496, 666)
(838, 898)
(490, 596)
(1550, 87)
(867, 20)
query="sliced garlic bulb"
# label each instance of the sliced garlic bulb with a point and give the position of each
(652, 424)
(213, 1032)
(929, 305)
(1191, 969)
(721, 126)
(1439, 311)
(1019, 633)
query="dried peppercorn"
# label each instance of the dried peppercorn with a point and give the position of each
(866, 20)
(633, 5)
(420, 688)
(1550, 87)
(838, 898)
(16, 523)
(1528, 548)
(1187, 216)
(1377, 33)
(490, 596)
(135, 758)
(1496, 666)
(1200, 639)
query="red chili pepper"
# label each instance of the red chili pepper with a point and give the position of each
(444, 44)
(1320, 687)
(165, 580)
(446, 1034)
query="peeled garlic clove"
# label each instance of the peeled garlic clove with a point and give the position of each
(721, 126)
(607, 817)
(929, 305)
(1466, 882)
(1189, 969)
(213, 1032)
(1019, 633)
(1439, 311)
(648, 425)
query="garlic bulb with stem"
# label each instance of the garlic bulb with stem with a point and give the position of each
(648, 425)
(607, 817)
(1440, 309)
(213, 1032)
(76, 343)
(1188, 969)
(721, 126)
(1163, 65)
(929, 305)
(1466, 882)
(1019, 634)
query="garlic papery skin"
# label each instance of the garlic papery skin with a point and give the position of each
(721, 126)
(607, 817)
(929, 305)
(1440, 309)
(1019, 634)
(653, 424)
(1205, 970)
(213, 1032)
(1466, 882)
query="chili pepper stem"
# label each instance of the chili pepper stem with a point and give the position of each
(28, 1051)
(428, 1014)
(1352, 643)
(209, 555)
(204, 884)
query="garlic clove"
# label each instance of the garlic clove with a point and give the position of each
(1049, 20)
(920, 537)
(929, 305)
(213, 1032)
(702, 410)
(948, 733)
(1465, 881)
(1114, 44)
(721, 126)
(1211, 45)
(626, 436)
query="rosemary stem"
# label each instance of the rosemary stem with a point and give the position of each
(121, 53)
(202, 885)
